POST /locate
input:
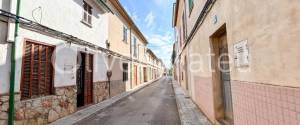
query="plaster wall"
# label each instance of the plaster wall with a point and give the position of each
(4, 59)
(64, 59)
(66, 16)
(4, 4)
(271, 34)
(117, 44)
(272, 59)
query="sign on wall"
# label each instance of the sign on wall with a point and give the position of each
(241, 54)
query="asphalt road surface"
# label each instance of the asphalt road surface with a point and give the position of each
(153, 105)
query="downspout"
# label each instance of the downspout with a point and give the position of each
(13, 68)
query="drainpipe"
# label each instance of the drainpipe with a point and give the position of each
(13, 68)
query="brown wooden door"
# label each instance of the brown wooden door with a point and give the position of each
(225, 79)
(88, 80)
(84, 80)
(135, 75)
(186, 73)
(145, 74)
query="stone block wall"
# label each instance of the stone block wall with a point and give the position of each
(47, 109)
(100, 91)
(43, 110)
(117, 87)
(4, 109)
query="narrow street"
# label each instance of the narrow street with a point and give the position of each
(153, 105)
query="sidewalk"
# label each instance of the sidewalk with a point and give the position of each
(94, 109)
(188, 111)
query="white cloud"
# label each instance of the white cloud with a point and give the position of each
(133, 14)
(162, 46)
(149, 20)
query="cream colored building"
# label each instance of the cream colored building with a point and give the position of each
(260, 37)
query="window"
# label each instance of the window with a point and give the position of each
(140, 71)
(125, 72)
(134, 47)
(125, 34)
(37, 71)
(191, 5)
(184, 26)
(145, 53)
(138, 51)
(87, 14)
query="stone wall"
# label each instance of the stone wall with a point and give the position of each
(40, 111)
(3, 109)
(44, 110)
(100, 91)
(117, 87)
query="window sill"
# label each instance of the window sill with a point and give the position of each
(125, 41)
(87, 24)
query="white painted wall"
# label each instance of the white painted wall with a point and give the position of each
(4, 4)
(66, 16)
(64, 59)
(49, 13)
(100, 67)
(4, 59)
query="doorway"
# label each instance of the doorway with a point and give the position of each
(221, 78)
(135, 75)
(186, 73)
(145, 74)
(84, 79)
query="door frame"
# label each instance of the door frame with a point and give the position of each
(84, 89)
(145, 74)
(216, 75)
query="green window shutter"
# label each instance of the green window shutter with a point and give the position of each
(191, 5)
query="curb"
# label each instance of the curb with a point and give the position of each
(96, 108)
(189, 113)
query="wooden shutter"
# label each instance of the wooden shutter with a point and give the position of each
(37, 71)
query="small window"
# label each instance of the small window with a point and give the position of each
(125, 72)
(37, 71)
(134, 47)
(125, 34)
(87, 13)
(145, 52)
(191, 5)
(184, 26)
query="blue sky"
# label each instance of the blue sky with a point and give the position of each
(154, 19)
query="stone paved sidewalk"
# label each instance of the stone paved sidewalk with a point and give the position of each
(188, 111)
(94, 109)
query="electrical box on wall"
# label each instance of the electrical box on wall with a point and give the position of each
(241, 54)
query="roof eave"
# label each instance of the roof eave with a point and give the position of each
(104, 6)
(175, 13)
